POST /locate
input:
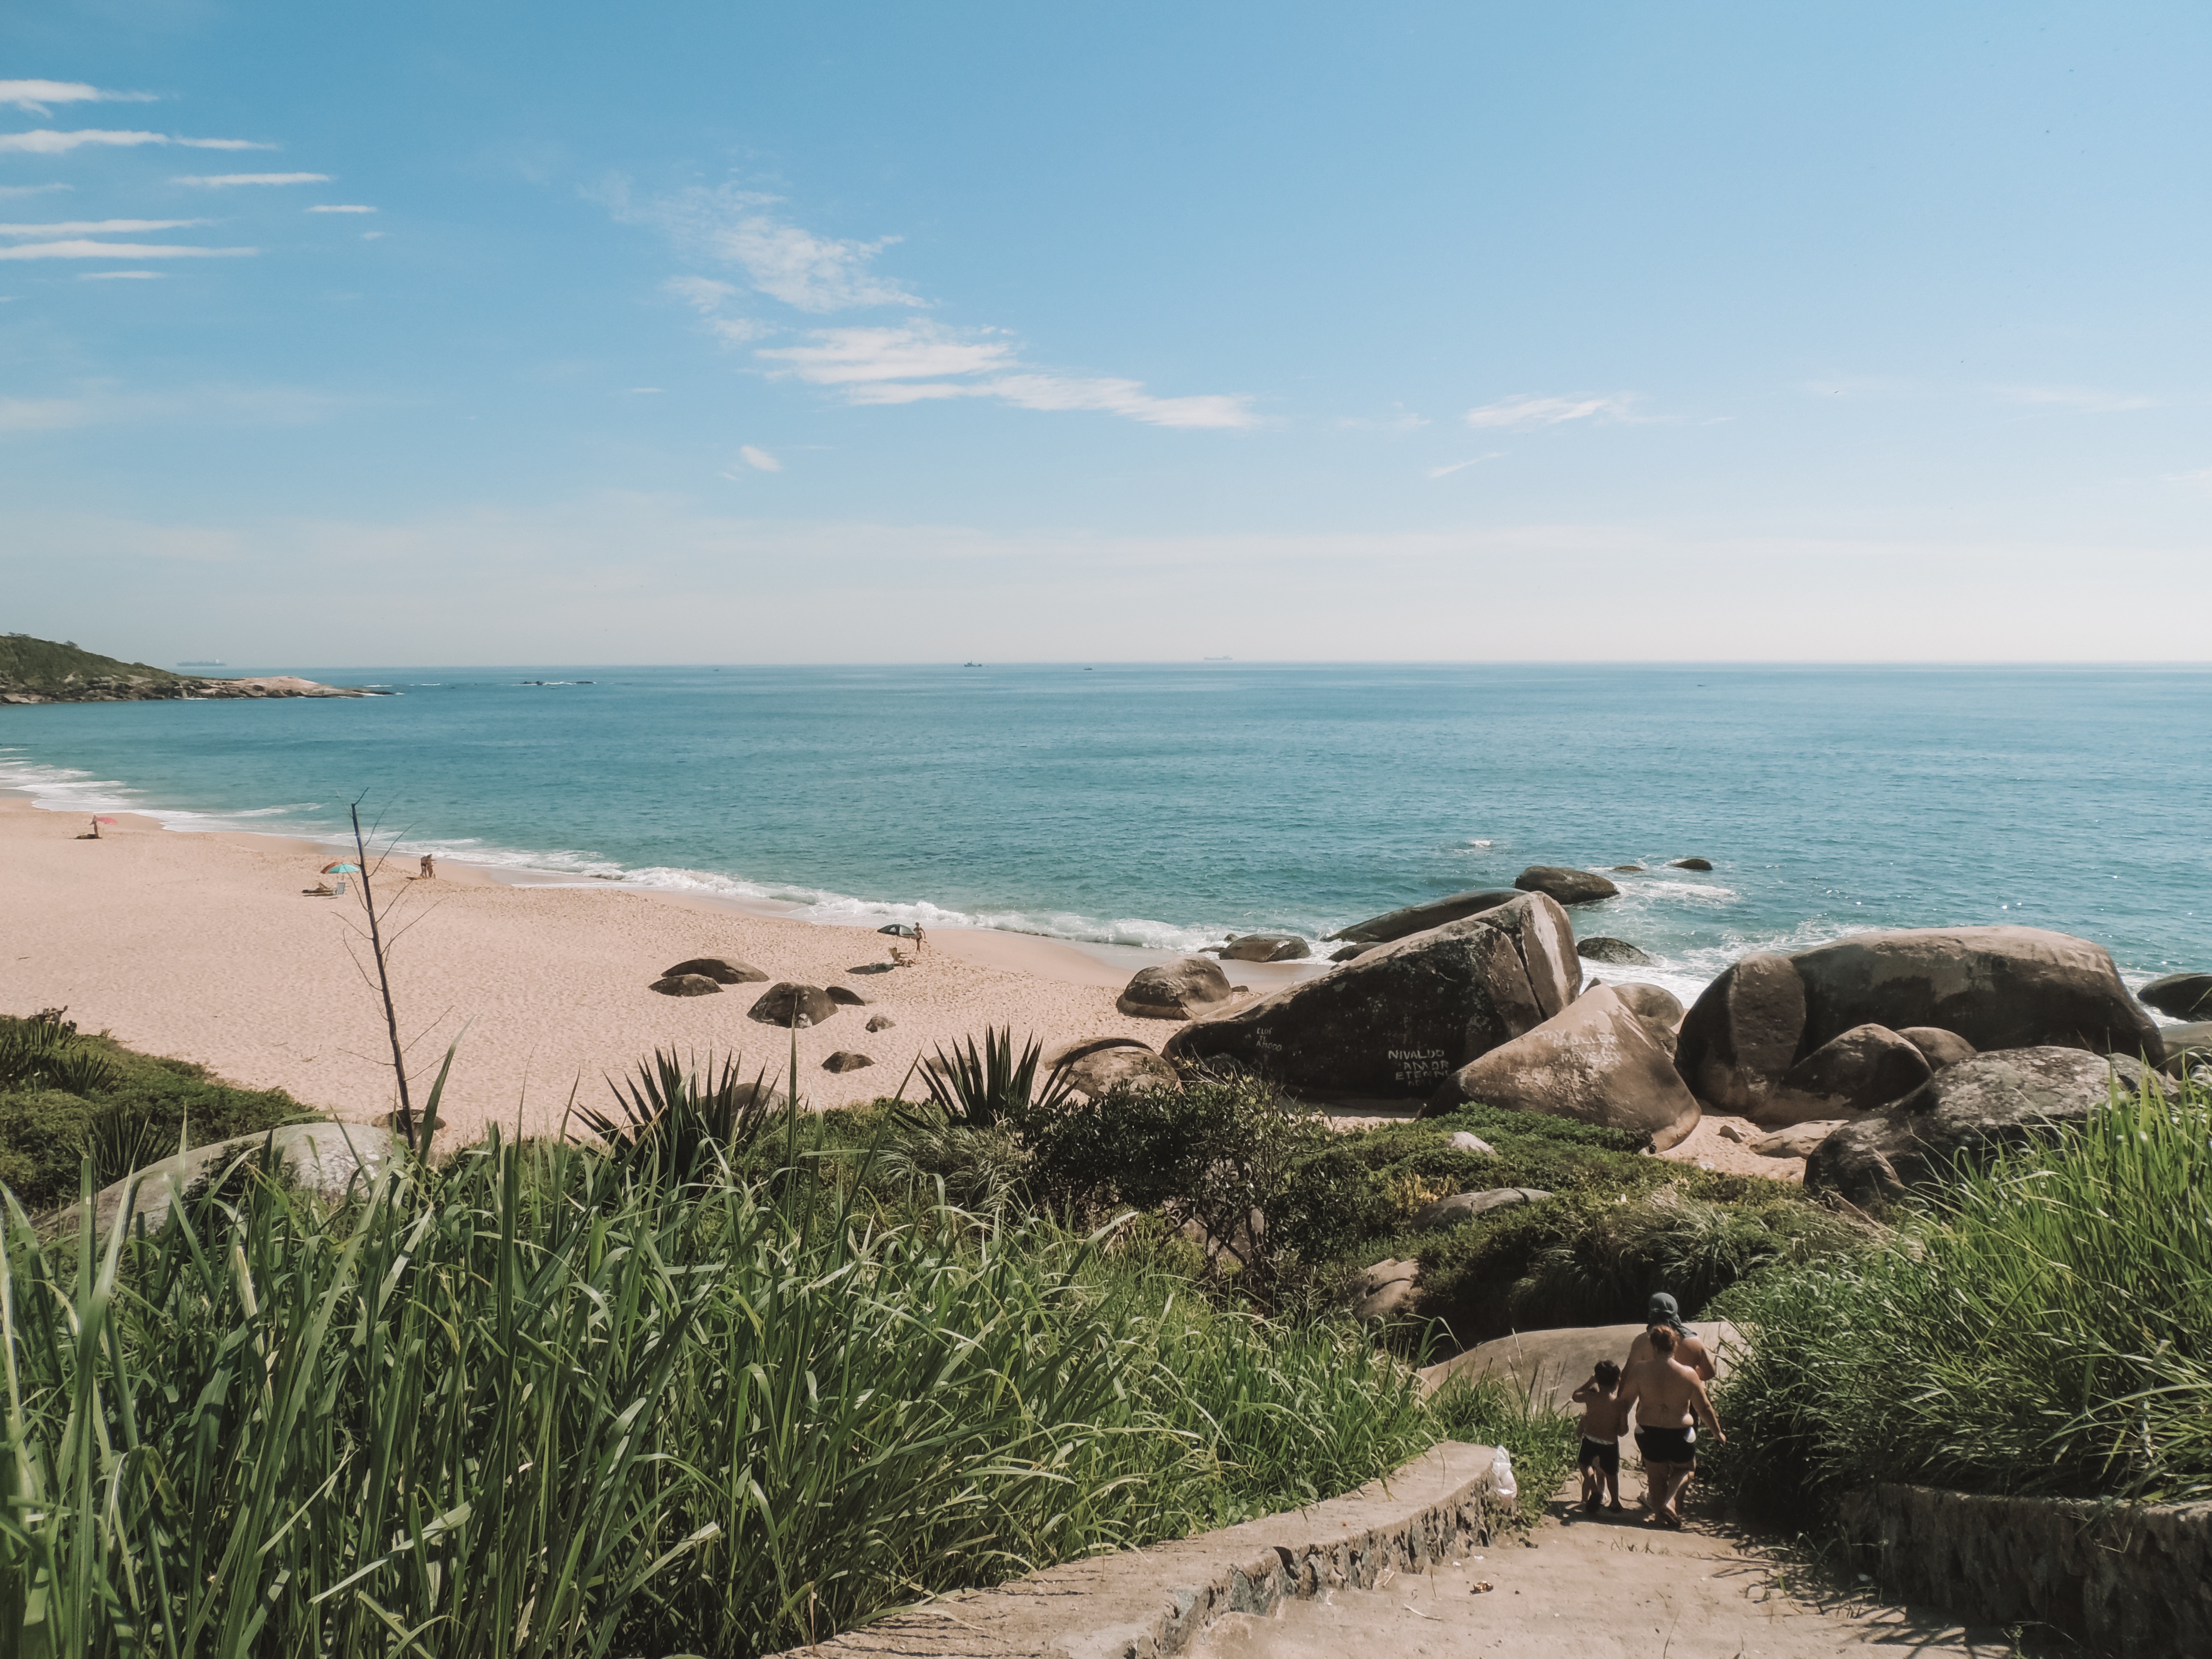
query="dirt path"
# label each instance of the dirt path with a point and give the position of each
(1594, 1588)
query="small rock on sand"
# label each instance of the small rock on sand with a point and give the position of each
(785, 1003)
(846, 1060)
(881, 1023)
(686, 985)
(723, 970)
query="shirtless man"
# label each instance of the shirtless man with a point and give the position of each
(1670, 1401)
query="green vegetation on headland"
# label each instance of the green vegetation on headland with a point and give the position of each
(49, 671)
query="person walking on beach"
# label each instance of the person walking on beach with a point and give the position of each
(1669, 1399)
(429, 867)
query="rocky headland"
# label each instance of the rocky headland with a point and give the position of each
(34, 671)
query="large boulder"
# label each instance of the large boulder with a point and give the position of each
(1619, 952)
(330, 1159)
(1385, 1288)
(1996, 988)
(1567, 886)
(1596, 1062)
(1419, 918)
(723, 970)
(1181, 989)
(1655, 1003)
(2184, 996)
(1266, 947)
(1969, 1112)
(1865, 1069)
(785, 1003)
(1406, 1015)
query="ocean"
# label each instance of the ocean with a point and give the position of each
(1168, 806)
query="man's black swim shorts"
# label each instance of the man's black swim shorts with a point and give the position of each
(1668, 1445)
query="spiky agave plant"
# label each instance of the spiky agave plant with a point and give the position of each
(673, 1125)
(992, 1086)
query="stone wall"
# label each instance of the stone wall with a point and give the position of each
(1151, 1603)
(2135, 1581)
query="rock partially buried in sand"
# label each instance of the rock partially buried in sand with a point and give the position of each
(723, 970)
(1595, 1062)
(1465, 1206)
(2184, 996)
(1997, 988)
(1690, 863)
(1969, 1111)
(850, 997)
(1938, 1047)
(1406, 1015)
(1174, 990)
(846, 1060)
(1266, 947)
(686, 985)
(1567, 886)
(881, 1022)
(1862, 1071)
(786, 1003)
(1619, 952)
(1419, 918)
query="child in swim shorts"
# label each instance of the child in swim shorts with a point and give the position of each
(1601, 1427)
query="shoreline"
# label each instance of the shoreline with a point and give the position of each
(201, 945)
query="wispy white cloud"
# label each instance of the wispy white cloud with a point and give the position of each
(2081, 400)
(42, 414)
(223, 180)
(100, 227)
(120, 275)
(1404, 420)
(1461, 467)
(1528, 410)
(879, 364)
(374, 235)
(865, 356)
(36, 97)
(44, 141)
(2200, 480)
(759, 459)
(10, 193)
(340, 207)
(79, 249)
(799, 267)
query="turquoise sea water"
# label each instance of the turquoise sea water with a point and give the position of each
(1167, 806)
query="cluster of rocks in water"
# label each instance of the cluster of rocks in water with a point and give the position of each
(1882, 1058)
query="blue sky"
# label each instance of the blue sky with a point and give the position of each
(848, 333)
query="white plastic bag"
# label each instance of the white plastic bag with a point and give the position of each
(1506, 1485)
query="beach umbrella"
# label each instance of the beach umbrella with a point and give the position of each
(103, 820)
(341, 869)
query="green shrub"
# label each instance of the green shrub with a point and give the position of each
(141, 1105)
(2046, 1327)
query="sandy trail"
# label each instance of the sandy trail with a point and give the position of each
(1604, 1589)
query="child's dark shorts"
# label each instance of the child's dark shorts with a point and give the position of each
(1605, 1454)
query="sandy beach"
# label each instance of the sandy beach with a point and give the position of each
(204, 947)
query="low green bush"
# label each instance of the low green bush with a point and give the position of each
(128, 1104)
(2045, 1327)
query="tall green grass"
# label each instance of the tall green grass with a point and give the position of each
(528, 1404)
(2047, 1328)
